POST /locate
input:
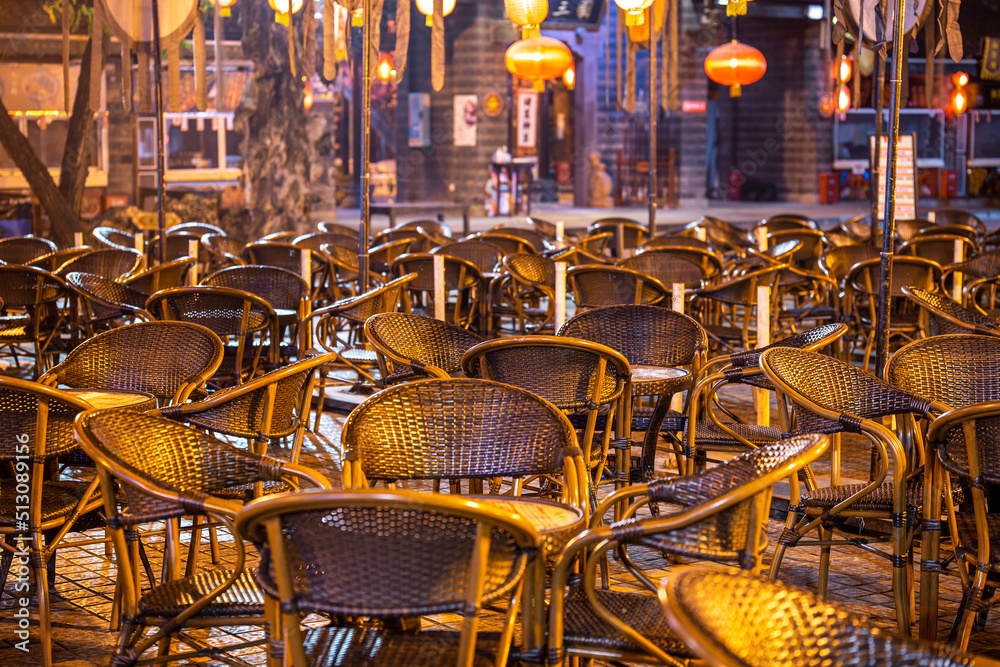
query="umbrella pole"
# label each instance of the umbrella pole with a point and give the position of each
(652, 121)
(873, 181)
(366, 172)
(888, 234)
(158, 60)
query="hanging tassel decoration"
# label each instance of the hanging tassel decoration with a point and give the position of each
(630, 77)
(173, 74)
(200, 64)
(309, 40)
(142, 81)
(904, 85)
(65, 54)
(402, 39)
(736, 8)
(930, 40)
(866, 62)
(672, 85)
(618, 56)
(96, 50)
(126, 78)
(329, 40)
(437, 46)
(376, 35)
(951, 31)
(291, 39)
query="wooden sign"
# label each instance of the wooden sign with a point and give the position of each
(906, 175)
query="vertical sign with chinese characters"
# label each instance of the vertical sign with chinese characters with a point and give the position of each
(906, 176)
(420, 120)
(527, 119)
(465, 119)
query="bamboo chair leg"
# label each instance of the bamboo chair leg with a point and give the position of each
(825, 534)
(41, 583)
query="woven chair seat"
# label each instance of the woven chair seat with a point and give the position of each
(968, 542)
(14, 322)
(359, 355)
(879, 500)
(330, 646)
(245, 491)
(585, 629)
(243, 598)
(58, 501)
(14, 330)
(707, 433)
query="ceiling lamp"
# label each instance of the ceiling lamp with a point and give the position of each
(528, 14)
(735, 65)
(426, 7)
(538, 59)
(634, 10)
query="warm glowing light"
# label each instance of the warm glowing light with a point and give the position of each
(426, 7)
(960, 79)
(633, 10)
(281, 6)
(569, 77)
(538, 59)
(307, 96)
(959, 100)
(224, 4)
(526, 12)
(735, 65)
(845, 69)
(385, 70)
(843, 99)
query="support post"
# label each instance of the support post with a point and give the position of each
(763, 396)
(160, 158)
(560, 305)
(366, 169)
(193, 254)
(652, 121)
(440, 295)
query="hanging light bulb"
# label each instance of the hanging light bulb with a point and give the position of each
(569, 77)
(843, 98)
(426, 7)
(634, 10)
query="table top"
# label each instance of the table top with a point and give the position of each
(113, 398)
(402, 206)
(544, 515)
(645, 372)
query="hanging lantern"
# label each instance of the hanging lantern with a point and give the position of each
(426, 7)
(959, 97)
(737, 7)
(385, 70)
(735, 65)
(528, 14)
(538, 59)
(281, 6)
(634, 10)
(960, 79)
(569, 77)
(223, 6)
(307, 96)
(843, 98)
(845, 68)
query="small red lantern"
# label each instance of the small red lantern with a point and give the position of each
(735, 65)
(385, 70)
(843, 98)
(959, 96)
(569, 77)
(307, 96)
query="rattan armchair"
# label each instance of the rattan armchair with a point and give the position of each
(957, 371)
(627, 234)
(106, 301)
(35, 295)
(526, 280)
(53, 260)
(163, 276)
(939, 247)
(414, 347)
(946, 316)
(386, 554)
(166, 471)
(19, 250)
(222, 251)
(485, 255)
(460, 276)
(596, 286)
(166, 359)
(243, 321)
(36, 430)
(112, 263)
(719, 518)
(727, 308)
(511, 244)
(335, 228)
(194, 229)
(582, 378)
(668, 269)
(176, 246)
(736, 620)
(709, 261)
(830, 396)
(110, 237)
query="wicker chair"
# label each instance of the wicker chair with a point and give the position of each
(165, 276)
(486, 256)
(713, 434)
(435, 227)
(526, 280)
(597, 286)
(938, 247)
(107, 301)
(509, 243)
(957, 371)
(37, 423)
(283, 290)
(864, 280)
(54, 260)
(271, 407)
(954, 216)
(460, 276)
(728, 307)
(735, 620)
(19, 250)
(668, 269)
(316, 240)
(627, 234)
(176, 246)
(597, 244)
(721, 234)
(720, 517)
(167, 471)
(194, 229)
(222, 251)
(414, 347)
(672, 239)
(386, 554)
(709, 261)
(334, 228)
(908, 229)
(282, 236)
(112, 263)
(110, 237)
(243, 321)
(582, 378)
(537, 240)
(381, 256)
(166, 359)
(289, 257)
(947, 316)
(830, 396)
(342, 265)
(36, 295)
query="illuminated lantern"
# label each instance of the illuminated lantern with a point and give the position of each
(737, 7)
(960, 79)
(223, 6)
(843, 98)
(735, 65)
(538, 59)
(385, 70)
(281, 6)
(307, 96)
(569, 77)
(959, 96)
(634, 10)
(426, 7)
(528, 14)
(845, 68)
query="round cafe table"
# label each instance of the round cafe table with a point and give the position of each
(138, 401)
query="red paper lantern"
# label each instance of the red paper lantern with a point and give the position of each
(538, 59)
(735, 65)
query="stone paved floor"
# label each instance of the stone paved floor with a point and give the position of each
(85, 580)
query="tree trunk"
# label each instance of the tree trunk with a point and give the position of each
(279, 154)
(79, 140)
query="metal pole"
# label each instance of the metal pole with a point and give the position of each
(876, 166)
(366, 170)
(220, 88)
(652, 120)
(884, 288)
(158, 64)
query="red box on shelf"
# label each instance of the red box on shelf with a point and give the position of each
(829, 187)
(949, 184)
(733, 184)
